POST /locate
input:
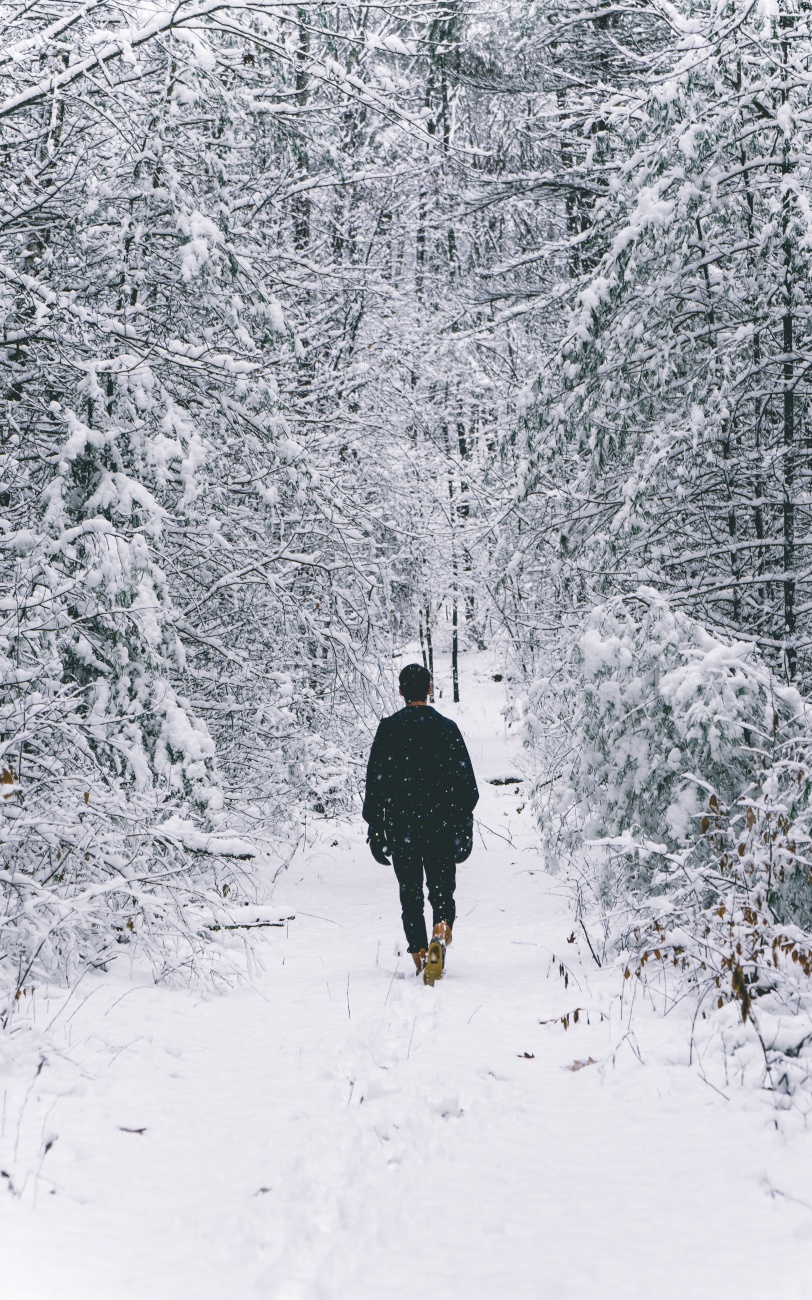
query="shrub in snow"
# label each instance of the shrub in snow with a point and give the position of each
(662, 712)
(683, 807)
(729, 919)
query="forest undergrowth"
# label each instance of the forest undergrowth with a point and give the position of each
(677, 801)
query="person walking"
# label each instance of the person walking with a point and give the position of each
(420, 797)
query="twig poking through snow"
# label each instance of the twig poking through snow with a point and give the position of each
(391, 982)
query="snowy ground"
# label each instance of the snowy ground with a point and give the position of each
(336, 1130)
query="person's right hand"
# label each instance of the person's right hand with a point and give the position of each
(377, 846)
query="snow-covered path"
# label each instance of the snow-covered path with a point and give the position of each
(336, 1130)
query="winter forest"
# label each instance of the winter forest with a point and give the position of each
(336, 336)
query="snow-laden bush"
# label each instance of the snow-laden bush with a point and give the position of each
(682, 807)
(660, 711)
(731, 917)
(91, 861)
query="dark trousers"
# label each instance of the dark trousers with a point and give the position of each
(437, 864)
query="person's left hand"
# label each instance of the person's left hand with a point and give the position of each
(462, 840)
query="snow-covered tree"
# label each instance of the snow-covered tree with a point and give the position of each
(676, 408)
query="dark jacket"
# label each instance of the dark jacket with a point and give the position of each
(420, 781)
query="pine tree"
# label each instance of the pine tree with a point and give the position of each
(677, 407)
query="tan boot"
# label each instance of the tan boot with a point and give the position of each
(419, 959)
(435, 960)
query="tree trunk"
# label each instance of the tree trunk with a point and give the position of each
(301, 201)
(430, 647)
(790, 651)
(788, 513)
